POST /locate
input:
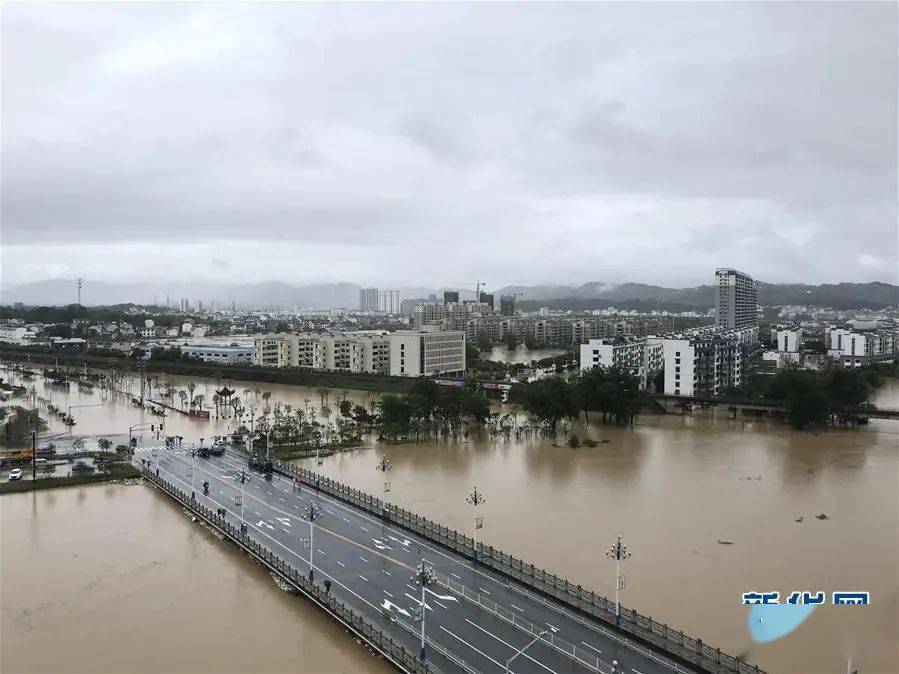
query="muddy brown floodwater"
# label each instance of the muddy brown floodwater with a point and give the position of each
(115, 578)
(672, 486)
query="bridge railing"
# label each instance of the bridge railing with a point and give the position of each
(393, 650)
(643, 628)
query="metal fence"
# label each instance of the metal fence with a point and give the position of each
(643, 628)
(393, 650)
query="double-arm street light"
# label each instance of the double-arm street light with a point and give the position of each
(310, 514)
(618, 552)
(476, 498)
(527, 646)
(424, 576)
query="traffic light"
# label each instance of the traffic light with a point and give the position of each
(152, 427)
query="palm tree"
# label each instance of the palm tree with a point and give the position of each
(183, 396)
(216, 399)
(266, 397)
(198, 401)
(190, 388)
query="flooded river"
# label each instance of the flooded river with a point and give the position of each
(672, 486)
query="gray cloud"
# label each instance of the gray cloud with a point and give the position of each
(432, 143)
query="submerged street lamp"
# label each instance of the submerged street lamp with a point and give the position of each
(618, 552)
(424, 576)
(310, 514)
(476, 498)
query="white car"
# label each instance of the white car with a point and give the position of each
(15, 474)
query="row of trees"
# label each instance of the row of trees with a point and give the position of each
(818, 397)
(613, 392)
(429, 409)
(17, 424)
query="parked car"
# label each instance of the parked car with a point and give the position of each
(15, 474)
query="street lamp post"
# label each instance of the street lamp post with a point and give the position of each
(310, 514)
(424, 575)
(618, 552)
(384, 465)
(527, 646)
(476, 498)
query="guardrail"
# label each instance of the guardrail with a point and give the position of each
(643, 629)
(392, 650)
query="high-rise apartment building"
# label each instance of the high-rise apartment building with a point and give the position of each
(389, 301)
(368, 299)
(450, 296)
(507, 305)
(736, 300)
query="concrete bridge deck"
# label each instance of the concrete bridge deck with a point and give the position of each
(477, 616)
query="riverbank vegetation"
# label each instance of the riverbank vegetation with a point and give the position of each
(818, 397)
(17, 424)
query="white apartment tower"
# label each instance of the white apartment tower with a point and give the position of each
(736, 300)
(368, 299)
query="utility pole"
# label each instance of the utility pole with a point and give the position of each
(424, 575)
(33, 455)
(310, 514)
(476, 498)
(383, 466)
(618, 552)
(78, 284)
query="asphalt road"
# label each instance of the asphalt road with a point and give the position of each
(370, 565)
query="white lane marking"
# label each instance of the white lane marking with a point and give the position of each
(286, 530)
(363, 578)
(418, 601)
(455, 575)
(282, 499)
(387, 572)
(387, 593)
(554, 629)
(444, 597)
(636, 670)
(345, 519)
(284, 520)
(389, 605)
(482, 653)
(341, 564)
(320, 552)
(484, 591)
(411, 587)
(591, 647)
(363, 559)
(516, 608)
(328, 511)
(440, 605)
(363, 528)
(269, 493)
(474, 624)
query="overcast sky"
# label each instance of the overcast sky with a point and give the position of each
(444, 143)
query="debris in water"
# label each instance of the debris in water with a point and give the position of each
(725, 542)
(822, 516)
(799, 519)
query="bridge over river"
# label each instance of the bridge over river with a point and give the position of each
(478, 614)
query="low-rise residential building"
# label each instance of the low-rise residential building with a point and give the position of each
(642, 358)
(706, 362)
(229, 354)
(427, 352)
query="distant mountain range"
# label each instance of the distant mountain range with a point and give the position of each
(839, 296)
(274, 294)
